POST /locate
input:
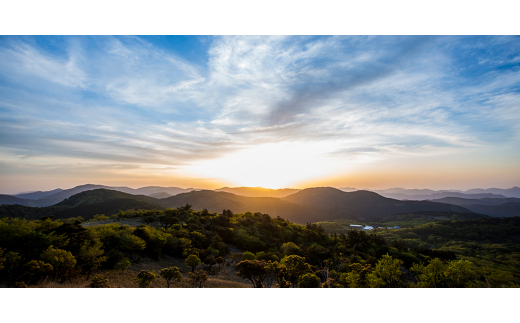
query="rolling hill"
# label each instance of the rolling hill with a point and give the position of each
(9, 199)
(85, 204)
(308, 205)
(258, 191)
(218, 201)
(505, 207)
(364, 205)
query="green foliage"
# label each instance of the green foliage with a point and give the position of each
(248, 255)
(90, 256)
(290, 248)
(60, 260)
(171, 275)
(192, 261)
(145, 278)
(220, 261)
(123, 264)
(36, 269)
(387, 273)
(296, 266)
(253, 270)
(309, 281)
(198, 278)
(2, 259)
(432, 275)
(99, 282)
(209, 260)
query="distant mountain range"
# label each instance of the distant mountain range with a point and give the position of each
(499, 207)
(259, 191)
(427, 194)
(48, 198)
(308, 205)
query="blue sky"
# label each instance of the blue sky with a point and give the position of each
(368, 112)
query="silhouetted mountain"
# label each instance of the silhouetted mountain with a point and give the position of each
(482, 201)
(438, 195)
(101, 195)
(218, 201)
(509, 192)
(504, 207)
(85, 204)
(364, 204)
(37, 195)
(48, 198)
(75, 190)
(150, 190)
(11, 200)
(258, 191)
(160, 195)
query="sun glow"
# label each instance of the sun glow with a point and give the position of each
(274, 166)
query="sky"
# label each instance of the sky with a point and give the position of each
(374, 112)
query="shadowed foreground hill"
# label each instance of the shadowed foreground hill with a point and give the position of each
(364, 205)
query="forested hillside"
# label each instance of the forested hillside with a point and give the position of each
(263, 251)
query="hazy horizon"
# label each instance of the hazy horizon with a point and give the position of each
(204, 188)
(437, 112)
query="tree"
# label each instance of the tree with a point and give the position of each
(237, 257)
(90, 255)
(387, 272)
(11, 262)
(271, 268)
(248, 255)
(171, 274)
(290, 248)
(123, 264)
(36, 269)
(209, 260)
(61, 261)
(296, 266)
(220, 261)
(253, 270)
(192, 261)
(198, 277)
(2, 259)
(145, 278)
(461, 272)
(212, 251)
(99, 282)
(309, 281)
(432, 275)
(357, 276)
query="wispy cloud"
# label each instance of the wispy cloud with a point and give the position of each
(126, 101)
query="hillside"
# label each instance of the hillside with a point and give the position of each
(309, 205)
(85, 204)
(12, 200)
(364, 205)
(505, 207)
(258, 191)
(37, 195)
(218, 201)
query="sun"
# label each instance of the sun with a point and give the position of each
(274, 165)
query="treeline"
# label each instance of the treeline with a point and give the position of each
(277, 252)
(493, 243)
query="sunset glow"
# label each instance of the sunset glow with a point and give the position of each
(206, 112)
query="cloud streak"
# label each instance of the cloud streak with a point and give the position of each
(126, 101)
